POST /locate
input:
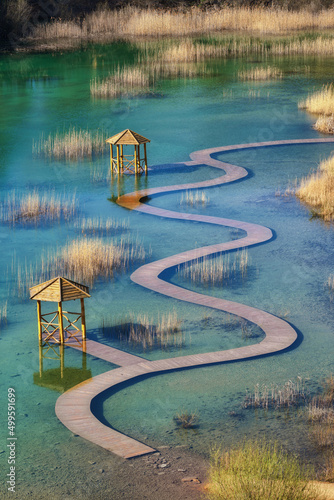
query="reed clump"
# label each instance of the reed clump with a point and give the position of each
(330, 283)
(274, 396)
(131, 81)
(258, 74)
(216, 271)
(256, 470)
(325, 124)
(317, 190)
(194, 199)
(98, 226)
(3, 314)
(320, 102)
(143, 331)
(320, 413)
(35, 207)
(84, 260)
(71, 145)
(186, 420)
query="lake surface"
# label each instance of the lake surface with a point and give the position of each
(46, 93)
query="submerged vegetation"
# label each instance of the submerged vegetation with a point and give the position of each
(186, 420)
(70, 145)
(317, 190)
(256, 470)
(217, 271)
(34, 207)
(194, 199)
(143, 331)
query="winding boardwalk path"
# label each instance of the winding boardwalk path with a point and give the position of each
(73, 408)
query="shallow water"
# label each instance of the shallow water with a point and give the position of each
(44, 93)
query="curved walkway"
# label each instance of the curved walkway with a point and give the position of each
(73, 408)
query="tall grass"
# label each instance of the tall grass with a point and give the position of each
(216, 271)
(268, 73)
(317, 190)
(134, 22)
(34, 207)
(275, 396)
(325, 124)
(3, 314)
(320, 102)
(256, 471)
(320, 414)
(71, 145)
(194, 199)
(84, 260)
(100, 227)
(143, 331)
(124, 82)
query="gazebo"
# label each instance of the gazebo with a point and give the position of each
(135, 163)
(60, 326)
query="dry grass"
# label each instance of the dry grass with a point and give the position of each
(325, 124)
(321, 415)
(289, 394)
(328, 470)
(132, 21)
(268, 73)
(126, 82)
(100, 227)
(194, 199)
(257, 471)
(84, 260)
(317, 190)
(321, 102)
(70, 145)
(141, 330)
(35, 207)
(216, 271)
(3, 314)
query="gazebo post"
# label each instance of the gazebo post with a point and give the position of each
(145, 158)
(111, 159)
(60, 322)
(39, 319)
(121, 157)
(136, 160)
(118, 162)
(83, 319)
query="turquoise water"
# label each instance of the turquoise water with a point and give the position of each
(44, 93)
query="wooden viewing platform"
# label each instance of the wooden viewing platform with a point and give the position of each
(73, 408)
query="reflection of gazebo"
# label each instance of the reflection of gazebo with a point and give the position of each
(60, 326)
(60, 378)
(132, 163)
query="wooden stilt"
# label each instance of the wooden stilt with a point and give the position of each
(40, 360)
(62, 360)
(60, 322)
(118, 162)
(39, 318)
(136, 161)
(83, 319)
(145, 158)
(111, 159)
(121, 158)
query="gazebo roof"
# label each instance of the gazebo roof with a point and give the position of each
(127, 137)
(59, 290)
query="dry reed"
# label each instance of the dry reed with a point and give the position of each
(194, 198)
(317, 190)
(132, 21)
(83, 260)
(128, 81)
(321, 415)
(70, 145)
(186, 420)
(141, 330)
(3, 314)
(275, 396)
(35, 207)
(330, 283)
(216, 271)
(100, 227)
(268, 73)
(320, 102)
(325, 124)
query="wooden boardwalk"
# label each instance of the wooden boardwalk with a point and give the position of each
(73, 408)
